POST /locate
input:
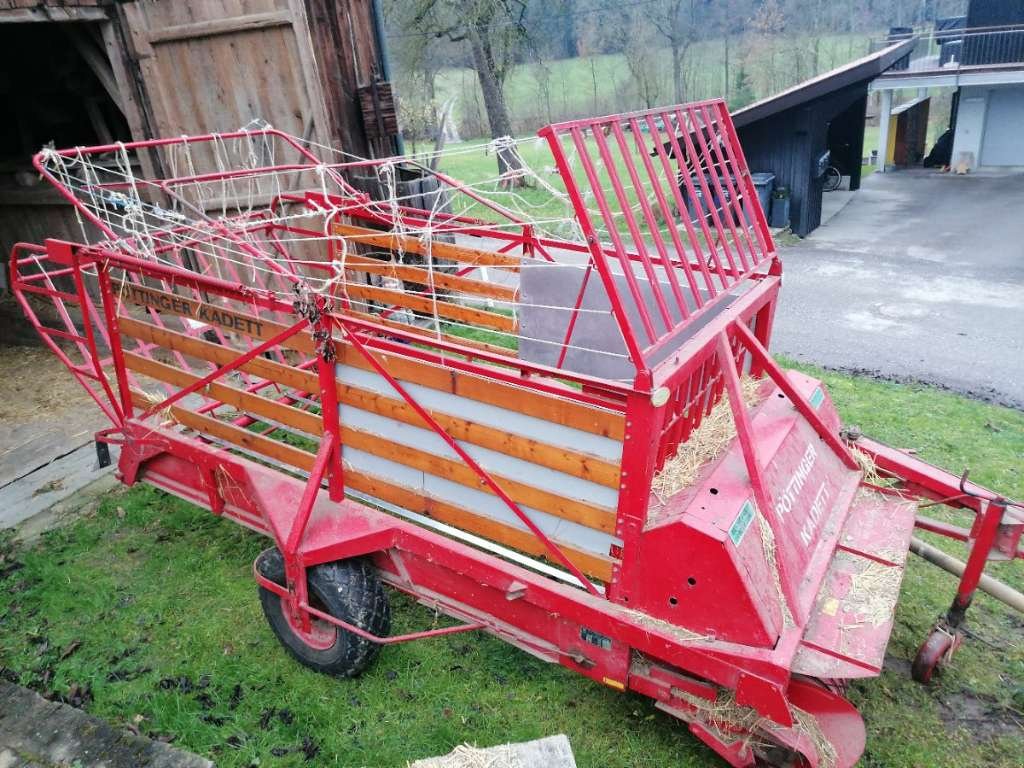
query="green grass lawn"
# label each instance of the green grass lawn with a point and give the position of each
(555, 90)
(149, 603)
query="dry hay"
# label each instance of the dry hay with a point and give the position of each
(732, 721)
(872, 474)
(34, 385)
(868, 467)
(872, 593)
(706, 443)
(808, 725)
(768, 546)
(154, 398)
(679, 633)
(468, 756)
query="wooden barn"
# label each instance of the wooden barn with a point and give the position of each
(86, 72)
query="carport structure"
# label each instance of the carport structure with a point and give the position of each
(797, 133)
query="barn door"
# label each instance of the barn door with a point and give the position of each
(214, 65)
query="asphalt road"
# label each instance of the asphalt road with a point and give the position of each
(920, 277)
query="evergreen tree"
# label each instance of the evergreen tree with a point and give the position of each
(742, 90)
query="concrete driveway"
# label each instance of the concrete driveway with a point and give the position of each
(920, 276)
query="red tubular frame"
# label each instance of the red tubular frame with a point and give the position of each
(600, 633)
(998, 522)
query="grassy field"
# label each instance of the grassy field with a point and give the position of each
(538, 94)
(542, 200)
(146, 607)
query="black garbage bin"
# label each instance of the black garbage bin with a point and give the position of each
(779, 218)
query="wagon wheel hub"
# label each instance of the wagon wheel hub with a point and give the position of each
(321, 635)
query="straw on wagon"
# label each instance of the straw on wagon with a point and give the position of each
(724, 715)
(706, 443)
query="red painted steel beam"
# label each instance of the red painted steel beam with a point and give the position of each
(779, 377)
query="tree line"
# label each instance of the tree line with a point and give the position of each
(617, 55)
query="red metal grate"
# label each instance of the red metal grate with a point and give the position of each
(669, 211)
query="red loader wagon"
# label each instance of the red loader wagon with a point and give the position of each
(563, 429)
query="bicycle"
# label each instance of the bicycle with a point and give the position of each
(832, 179)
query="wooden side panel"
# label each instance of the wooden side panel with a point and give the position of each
(558, 411)
(430, 306)
(556, 460)
(586, 466)
(377, 444)
(394, 242)
(427, 277)
(385, 489)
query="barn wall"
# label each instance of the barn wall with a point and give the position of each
(344, 43)
(213, 65)
(198, 66)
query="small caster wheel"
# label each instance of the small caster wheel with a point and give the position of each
(939, 645)
(348, 590)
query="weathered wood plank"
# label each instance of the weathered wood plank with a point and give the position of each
(395, 242)
(256, 405)
(213, 27)
(49, 13)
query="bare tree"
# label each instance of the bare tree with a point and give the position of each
(676, 21)
(496, 35)
(418, 65)
(730, 18)
(641, 55)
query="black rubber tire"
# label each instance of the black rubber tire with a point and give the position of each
(346, 589)
(833, 179)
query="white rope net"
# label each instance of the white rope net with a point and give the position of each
(278, 213)
(253, 210)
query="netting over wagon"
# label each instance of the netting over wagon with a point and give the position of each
(617, 235)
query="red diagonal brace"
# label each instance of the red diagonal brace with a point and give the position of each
(238, 362)
(470, 461)
(745, 434)
(777, 375)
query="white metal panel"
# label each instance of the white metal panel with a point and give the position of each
(1001, 143)
(479, 502)
(490, 415)
(515, 469)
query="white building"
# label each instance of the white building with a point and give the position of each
(981, 55)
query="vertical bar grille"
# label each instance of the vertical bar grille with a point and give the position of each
(672, 212)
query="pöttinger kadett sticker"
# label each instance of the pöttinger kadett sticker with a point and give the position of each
(817, 398)
(739, 526)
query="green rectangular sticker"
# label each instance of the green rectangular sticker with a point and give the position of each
(739, 526)
(817, 398)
